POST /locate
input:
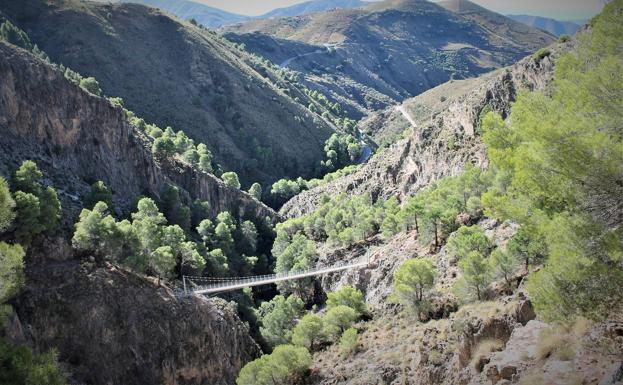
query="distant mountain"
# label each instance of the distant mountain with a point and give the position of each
(312, 7)
(184, 9)
(555, 27)
(371, 57)
(175, 74)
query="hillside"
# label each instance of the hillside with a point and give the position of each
(175, 74)
(77, 138)
(444, 139)
(555, 27)
(185, 9)
(373, 57)
(312, 7)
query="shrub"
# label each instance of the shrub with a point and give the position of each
(285, 365)
(99, 193)
(308, 331)
(347, 296)
(231, 179)
(338, 319)
(7, 206)
(91, 85)
(476, 272)
(541, 54)
(411, 280)
(348, 342)
(564, 38)
(278, 317)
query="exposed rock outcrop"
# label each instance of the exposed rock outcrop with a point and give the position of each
(77, 138)
(111, 326)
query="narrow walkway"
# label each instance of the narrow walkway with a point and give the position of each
(225, 284)
(404, 113)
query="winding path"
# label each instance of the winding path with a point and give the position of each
(405, 113)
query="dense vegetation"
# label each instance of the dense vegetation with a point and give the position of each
(295, 335)
(561, 162)
(26, 212)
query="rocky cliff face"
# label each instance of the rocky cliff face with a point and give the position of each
(111, 326)
(173, 73)
(77, 138)
(443, 141)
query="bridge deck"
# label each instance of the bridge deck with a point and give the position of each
(241, 283)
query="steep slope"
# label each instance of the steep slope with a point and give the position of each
(312, 7)
(144, 332)
(373, 57)
(555, 27)
(111, 326)
(445, 136)
(173, 73)
(184, 9)
(77, 138)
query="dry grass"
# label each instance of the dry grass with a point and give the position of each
(483, 349)
(561, 341)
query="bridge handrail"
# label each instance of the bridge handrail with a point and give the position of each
(236, 282)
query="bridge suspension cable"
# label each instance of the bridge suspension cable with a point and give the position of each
(211, 285)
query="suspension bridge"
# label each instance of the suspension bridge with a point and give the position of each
(207, 285)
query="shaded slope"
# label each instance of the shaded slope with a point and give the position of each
(77, 138)
(389, 51)
(175, 74)
(184, 9)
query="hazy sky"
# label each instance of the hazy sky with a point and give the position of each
(560, 9)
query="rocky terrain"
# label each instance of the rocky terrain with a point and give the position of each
(176, 74)
(376, 56)
(77, 138)
(445, 138)
(145, 333)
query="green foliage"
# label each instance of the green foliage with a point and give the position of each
(308, 331)
(256, 191)
(561, 164)
(99, 193)
(278, 317)
(564, 38)
(348, 342)
(541, 54)
(527, 245)
(20, 366)
(347, 296)
(7, 206)
(341, 151)
(338, 319)
(284, 189)
(476, 272)
(172, 207)
(163, 146)
(97, 233)
(468, 239)
(300, 254)
(37, 207)
(11, 271)
(91, 85)
(12, 34)
(27, 178)
(285, 365)
(28, 211)
(411, 281)
(231, 179)
(505, 264)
